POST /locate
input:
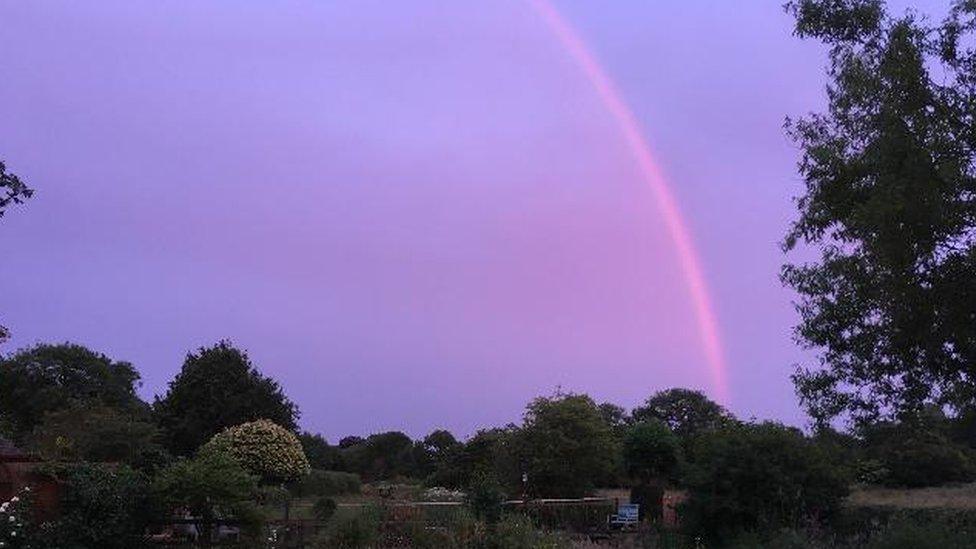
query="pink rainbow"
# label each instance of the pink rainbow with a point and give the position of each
(652, 175)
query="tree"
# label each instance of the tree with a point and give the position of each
(99, 434)
(651, 451)
(565, 445)
(320, 454)
(889, 183)
(759, 478)
(651, 454)
(615, 417)
(381, 456)
(684, 411)
(209, 486)
(217, 388)
(48, 378)
(12, 189)
(266, 450)
(916, 455)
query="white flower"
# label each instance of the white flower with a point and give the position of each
(14, 499)
(12, 518)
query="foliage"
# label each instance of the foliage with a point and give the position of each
(98, 433)
(48, 378)
(888, 526)
(211, 485)
(565, 445)
(759, 478)
(217, 388)
(916, 455)
(320, 454)
(615, 417)
(889, 179)
(326, 483)
(381, 456)
(684, 411)
(262, 448)
(651, 450)
(12, 189)
(359, 531)
(16, 528)
(101, 506)
(324, 508)
(485, 497)
(516, 531)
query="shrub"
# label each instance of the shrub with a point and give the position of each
(101, 506)
(326, 483)
(916, 456)
(324, 508)
(209, 486)
(15, 523)
(355, 532)
(759, 478)
(263, 448)
(517, 531)
(485, 498)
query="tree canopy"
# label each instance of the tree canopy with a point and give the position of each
(651, 450)
(566, 445)
(890, 181)
(685, 412)
(48, 378)
(218, 388)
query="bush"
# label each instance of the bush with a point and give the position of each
(485, 498)
(101, 506)
(15, 521)
(517, 531)
(324, 508)
(326, 483)
(759, 478)
(877, 524)
(915, 457)
(210, 486)
(263, 448)
(356, 532)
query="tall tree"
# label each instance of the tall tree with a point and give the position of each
(217, 388)
(50, 378)
(566, 445)
(890, 202)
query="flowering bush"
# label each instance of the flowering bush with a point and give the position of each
(262, 448)
(14, 521)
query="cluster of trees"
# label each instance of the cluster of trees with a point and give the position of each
(222, 429)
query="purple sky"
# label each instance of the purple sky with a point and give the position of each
(411, 214)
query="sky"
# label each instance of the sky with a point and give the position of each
(413, 215)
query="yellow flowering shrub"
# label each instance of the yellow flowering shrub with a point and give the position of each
(263, 448)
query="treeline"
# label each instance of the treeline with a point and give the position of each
(73, 405)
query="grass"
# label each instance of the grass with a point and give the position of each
(946, 497)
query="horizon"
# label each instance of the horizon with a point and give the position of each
(399, 210)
